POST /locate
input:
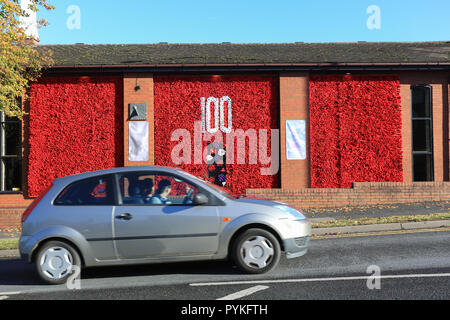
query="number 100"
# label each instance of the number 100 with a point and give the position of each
(219, 108)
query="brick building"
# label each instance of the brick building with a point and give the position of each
(321, 125)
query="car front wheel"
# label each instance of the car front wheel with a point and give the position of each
(256, 251)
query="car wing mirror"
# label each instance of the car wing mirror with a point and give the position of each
(200, 199)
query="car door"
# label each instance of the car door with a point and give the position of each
(145, 226)
(86, 206)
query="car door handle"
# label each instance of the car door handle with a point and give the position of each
(124, 216)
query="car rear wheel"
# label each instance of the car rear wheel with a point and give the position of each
(56, 261)
(256, 251)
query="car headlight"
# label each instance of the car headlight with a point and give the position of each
(288, 210)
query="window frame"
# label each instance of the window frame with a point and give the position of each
(3, 155)
(430, 119)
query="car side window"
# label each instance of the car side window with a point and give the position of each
(155, 189)
(91, 191)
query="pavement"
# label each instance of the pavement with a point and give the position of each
(375, 211)
(317, 215)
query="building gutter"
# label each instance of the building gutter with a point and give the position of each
(273, 67)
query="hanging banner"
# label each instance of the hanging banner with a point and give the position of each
(295, 140)
(138, 141)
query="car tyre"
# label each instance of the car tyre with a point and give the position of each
(56, 261)
(256, 251)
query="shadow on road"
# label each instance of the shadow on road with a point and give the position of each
(14, 272)
(17, 272)
(178, 268)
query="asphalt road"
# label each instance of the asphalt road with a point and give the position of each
(389, 266)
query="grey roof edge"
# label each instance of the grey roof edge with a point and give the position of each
(200, 68)
(254, 64)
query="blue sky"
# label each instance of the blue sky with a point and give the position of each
(244, 21)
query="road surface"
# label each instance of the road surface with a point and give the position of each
(385, 266)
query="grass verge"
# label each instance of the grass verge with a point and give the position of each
(9, 244)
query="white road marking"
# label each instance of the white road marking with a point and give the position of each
(200, 284)
(9, 293)
(3, 297)
(243, 293)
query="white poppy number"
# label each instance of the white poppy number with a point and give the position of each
(219, 109)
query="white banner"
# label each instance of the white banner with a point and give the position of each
(138, 141)
(296, 139)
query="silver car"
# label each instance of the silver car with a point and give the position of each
(139, 215)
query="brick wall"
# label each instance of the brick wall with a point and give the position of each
(362, 193)
(14, 201)
(294, 105)
(11, 218)
(11, 208)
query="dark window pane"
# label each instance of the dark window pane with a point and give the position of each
(12, 132)
(93, 191)
(12, 174)
(11, 118)
(10, 152)
(421, 107)
(422, 135)
(423, 167)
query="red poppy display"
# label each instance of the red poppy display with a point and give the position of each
(178, 101)
(76, 125)
(355, 130)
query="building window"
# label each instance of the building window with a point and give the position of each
(10, 154)
(422, 133)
